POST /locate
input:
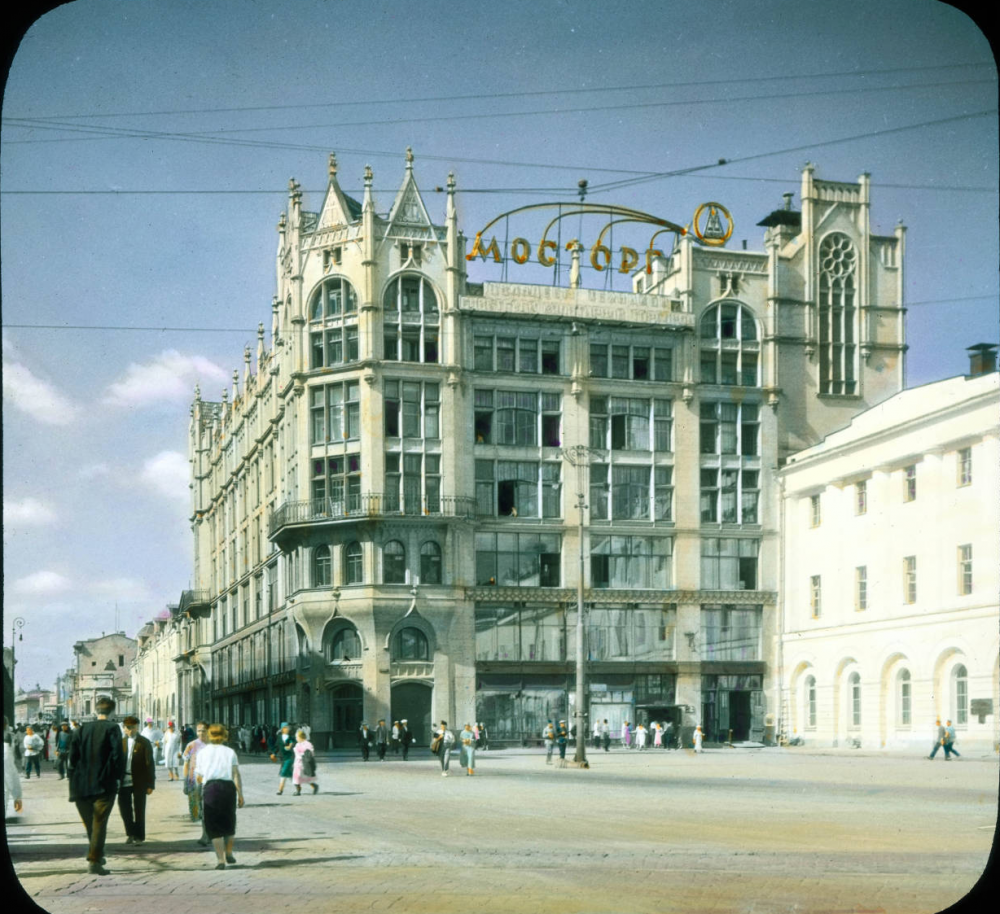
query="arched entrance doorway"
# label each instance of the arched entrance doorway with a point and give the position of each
(411, 701)
(346, 706)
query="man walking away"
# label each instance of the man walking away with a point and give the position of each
(949, 742)
(549, 741)
(96, 766)
(33, 746)
(365, 741)
(138, 783)
(62, 748)
(405, 738)
(939, 740)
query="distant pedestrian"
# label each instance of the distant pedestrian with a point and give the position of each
(605, 735)
(939, 739)
(698, 736)
(949, 742)
(172, 751)
(405, 738)
(484, 738)
(381, 740)
(282, 748)
(626, 735)
(138, 783)
(365, 741)
(597, 734)
(562, 740)
(218, 771)
(33, 746)
(441, 746)
(394, 737)
(658, 737)
(191, 786)
(467, 754)
(669, 736)
(640, 737)
(62, 749)
(11, 779)
(304, 768)
(96, 765)
(549, 741)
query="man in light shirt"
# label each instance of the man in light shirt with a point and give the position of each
(138, 783)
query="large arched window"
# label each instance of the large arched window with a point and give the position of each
(393, 563)
(960, 695)
(854, 688)
(430, 563)
(321, 567)
(353, 564)
(333, 324)
(811, 702)
(410, 320)
(410, 644)
(838, 261)
(904, 698)
(345, 645)
(730, 348)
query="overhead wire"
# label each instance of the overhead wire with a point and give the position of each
(491, 96)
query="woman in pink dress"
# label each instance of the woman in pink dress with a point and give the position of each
(658, 737)
(627, 736)
(304, 768)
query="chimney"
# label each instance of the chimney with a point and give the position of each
(788, 200)
(982, 359)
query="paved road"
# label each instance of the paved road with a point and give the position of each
(730, 830)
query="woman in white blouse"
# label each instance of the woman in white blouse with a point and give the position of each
(218, 771)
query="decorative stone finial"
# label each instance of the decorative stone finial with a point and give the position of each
(197, 391)
(246, 354)
(409, 157)
(451, 182)
(260, 331)
(369, 174)
(333, 165)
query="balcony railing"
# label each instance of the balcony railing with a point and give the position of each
(193, 598)
(375, 505)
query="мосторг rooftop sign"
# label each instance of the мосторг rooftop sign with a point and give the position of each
(712, 225)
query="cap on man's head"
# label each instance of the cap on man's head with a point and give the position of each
(131, 721)
(405, 721)
(149, 720)
(284, 724)
(105, 705)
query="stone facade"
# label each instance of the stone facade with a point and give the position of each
(103, 667)
(890, 582)
(385, 502)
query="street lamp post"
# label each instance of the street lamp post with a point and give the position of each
(16, 624)
(579, 456)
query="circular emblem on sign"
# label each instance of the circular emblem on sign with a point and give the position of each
(712, 224)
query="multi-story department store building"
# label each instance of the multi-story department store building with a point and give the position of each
(385, 509)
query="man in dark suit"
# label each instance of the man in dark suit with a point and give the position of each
(96, 765)
(381, 740)
(405, 738)
(138, 783)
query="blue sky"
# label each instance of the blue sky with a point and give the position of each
(183, 122)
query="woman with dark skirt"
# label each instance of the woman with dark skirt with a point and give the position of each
(218, 771)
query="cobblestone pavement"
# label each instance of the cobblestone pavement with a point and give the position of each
(731, 830)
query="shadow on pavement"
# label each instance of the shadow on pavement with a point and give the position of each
(297, 861)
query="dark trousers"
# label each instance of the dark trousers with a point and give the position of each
(406, 751)
(380, 748)
(606, 741)
(32, 761)
(132, 806)
(562, 750)
(95, 812)
(934, 751)
(62, 765)
(365, 749)
(949, 750)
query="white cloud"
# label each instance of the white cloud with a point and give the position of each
(35, 396)
(169, 377)
(94, 470)
(42, 583)
(168, 474)
(28, 512)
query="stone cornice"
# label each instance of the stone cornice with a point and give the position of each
(606, 597)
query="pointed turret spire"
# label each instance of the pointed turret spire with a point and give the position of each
(236, 385)
(260, 344)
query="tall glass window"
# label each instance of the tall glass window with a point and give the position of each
(353, 564)
(903, 698)
(333, 324)
(837, 316)
(811, 702)
(854, 689)
(641, 562)
(730, 632)
(411, 320)
(321, 571)
(730, 350)
(393, 563)
(960, 695)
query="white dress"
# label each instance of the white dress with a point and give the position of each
(172, 749)
(640, 738)
(11, 779)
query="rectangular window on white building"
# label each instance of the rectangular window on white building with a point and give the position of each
(815, 595)
(861, 588)
(965, 466)
(965, 569)
(910, 579)
(815, 512)
(910, 483)
(861, 497)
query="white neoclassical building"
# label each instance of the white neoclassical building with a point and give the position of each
(888, 604)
